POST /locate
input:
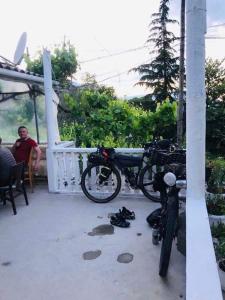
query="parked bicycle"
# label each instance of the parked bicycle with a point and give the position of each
(165, 220)
(101, 180)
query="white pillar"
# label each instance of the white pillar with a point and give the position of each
(201, 269)
(50, 120)
(49, 104)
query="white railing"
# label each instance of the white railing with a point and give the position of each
(69, 163)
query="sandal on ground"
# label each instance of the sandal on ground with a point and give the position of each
(126, 213)
(119, 221)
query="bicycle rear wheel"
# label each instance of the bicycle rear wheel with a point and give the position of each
(146, 182)
(168, 235)
(101, 182)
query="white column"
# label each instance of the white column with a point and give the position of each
(201, 269)
(49, 104)
(50, 120)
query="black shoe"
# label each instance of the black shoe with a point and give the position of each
(126, 213)
(119, 221)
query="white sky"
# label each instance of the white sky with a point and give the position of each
(97, 28)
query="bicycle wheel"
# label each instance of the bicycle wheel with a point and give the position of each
(168, 235)
(101, 182)
(146, 182)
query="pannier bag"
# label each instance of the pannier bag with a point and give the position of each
(105, 173)
(101, 155)
(96, 158)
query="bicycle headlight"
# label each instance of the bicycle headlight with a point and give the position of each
(170, 179)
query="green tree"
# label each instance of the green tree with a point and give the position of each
(215, 80)
(164, 120)
(145, 102)
(161, 73)
(215, 106)
(64, 63)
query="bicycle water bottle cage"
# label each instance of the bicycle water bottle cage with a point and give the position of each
(104, 175)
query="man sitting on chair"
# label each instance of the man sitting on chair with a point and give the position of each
(6, 162)
(23, 146)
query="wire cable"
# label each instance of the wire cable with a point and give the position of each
(113, 54)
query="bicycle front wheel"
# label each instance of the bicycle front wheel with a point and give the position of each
(101, 182)
(168, 235)
(146, 182)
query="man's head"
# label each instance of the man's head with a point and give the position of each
(23, 132)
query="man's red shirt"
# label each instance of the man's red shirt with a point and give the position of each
(23, 148)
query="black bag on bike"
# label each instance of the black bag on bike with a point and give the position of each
(160, 158)
(105, 173)
(160, 145)
(96, 158)
(101, 155)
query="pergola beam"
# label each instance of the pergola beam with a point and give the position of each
(11, 75)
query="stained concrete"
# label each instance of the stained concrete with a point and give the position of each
(125, 258)
(91, 254)
(42, 247)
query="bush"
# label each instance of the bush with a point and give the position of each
(220, 249)
(216, 183)
(218, 230)
(215, 205)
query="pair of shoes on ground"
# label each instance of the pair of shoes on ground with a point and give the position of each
(119, 219)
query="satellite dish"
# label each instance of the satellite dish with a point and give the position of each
(18, 56)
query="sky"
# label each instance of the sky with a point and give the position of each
(99, 28)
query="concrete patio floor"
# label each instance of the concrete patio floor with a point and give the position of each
(50, 251)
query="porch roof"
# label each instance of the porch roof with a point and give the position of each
(12, 73)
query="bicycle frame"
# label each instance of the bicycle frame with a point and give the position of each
(106, 167)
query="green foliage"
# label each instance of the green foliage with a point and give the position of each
(215, 80)
(215, 108)
(218, 230)
(146, 102)
(99, 118)
(21, 113)
(220, 250)
(164, 120)
(216, 182)
(215, 129)
(64, 63)
(160, 75)
(215, 205)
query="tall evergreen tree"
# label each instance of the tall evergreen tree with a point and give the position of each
(161, 73)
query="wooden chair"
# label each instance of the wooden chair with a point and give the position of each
(28, 174)
(15, 186)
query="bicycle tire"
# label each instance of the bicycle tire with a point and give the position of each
(168, 236)
(88, 191)
(146, 179)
